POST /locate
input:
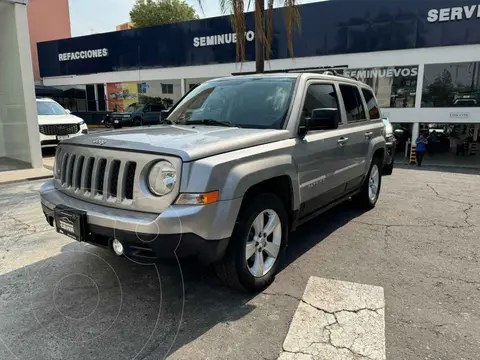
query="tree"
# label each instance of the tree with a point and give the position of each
(158, 12)
(263, 39)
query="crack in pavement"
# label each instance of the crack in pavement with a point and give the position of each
(328, 327)
(448, 199)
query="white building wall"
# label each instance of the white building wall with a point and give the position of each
(420, 57)
(19, 134)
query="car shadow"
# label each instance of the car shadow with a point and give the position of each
(318, 229)
(88, 303)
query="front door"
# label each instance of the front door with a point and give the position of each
(319, 154)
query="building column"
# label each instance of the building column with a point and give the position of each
(19, 133)
(95, 91)
(475, 132)
(415, 133)
(183, 86)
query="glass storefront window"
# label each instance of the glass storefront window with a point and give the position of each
(394, 86)
(451, 85)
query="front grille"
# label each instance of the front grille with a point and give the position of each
(115, 178)
(59, 129)
(96, 176)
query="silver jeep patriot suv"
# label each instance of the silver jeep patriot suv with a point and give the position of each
(238, 164)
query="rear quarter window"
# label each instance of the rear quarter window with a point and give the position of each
(372, 104)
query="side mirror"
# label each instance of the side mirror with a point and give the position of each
(146, 109)
(322, 119)
(398, 133)
(164, 114)
(68, 111)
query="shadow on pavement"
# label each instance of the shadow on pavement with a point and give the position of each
(88, 303)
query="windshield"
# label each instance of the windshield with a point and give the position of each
(49, 108)
(260, 103)
(134, 107)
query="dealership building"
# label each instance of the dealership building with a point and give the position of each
(422, 58)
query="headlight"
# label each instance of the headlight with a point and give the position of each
(81, 123)
(162, 178)
(125, 116)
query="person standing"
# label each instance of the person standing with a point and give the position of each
(421, 148)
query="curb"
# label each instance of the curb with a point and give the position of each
(27, 179)
(441, 166)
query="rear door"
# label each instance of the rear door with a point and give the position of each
(318, 154)
(358, 133)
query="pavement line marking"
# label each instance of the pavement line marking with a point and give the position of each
(337, 320)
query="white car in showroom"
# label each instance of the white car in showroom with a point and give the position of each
(56, 123)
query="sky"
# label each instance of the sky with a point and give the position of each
(98, 16)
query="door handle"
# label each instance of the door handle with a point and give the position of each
(368, 134)
(342, 141)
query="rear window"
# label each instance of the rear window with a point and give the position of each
(353, 103)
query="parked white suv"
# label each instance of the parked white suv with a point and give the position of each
(56, 123)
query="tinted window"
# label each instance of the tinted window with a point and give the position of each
(451, 85)
(353, 103)
(244, 102)
(157, 108)
(319, 96)
(372, 105)
(49, 108)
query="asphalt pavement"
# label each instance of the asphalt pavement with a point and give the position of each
(60, 299)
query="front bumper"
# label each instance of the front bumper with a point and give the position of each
(201, 231)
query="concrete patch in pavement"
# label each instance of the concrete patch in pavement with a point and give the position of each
(337, 320)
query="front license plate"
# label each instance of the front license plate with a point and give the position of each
(62, 137)
(71, 222)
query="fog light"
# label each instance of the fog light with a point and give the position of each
(117, 247)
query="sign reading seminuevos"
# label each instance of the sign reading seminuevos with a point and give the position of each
(221, 39)
(83, 54)
(454, 13)
(410, 71)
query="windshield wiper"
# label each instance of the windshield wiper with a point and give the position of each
(211, 122)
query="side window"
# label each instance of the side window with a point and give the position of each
(353, 103)
(146, 108)
(156, 108)
(319, 96)
(372, 104)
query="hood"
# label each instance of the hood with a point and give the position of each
(189, 142)
(58, 119)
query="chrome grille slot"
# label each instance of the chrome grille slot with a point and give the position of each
(100, 176)
(130, 179)
(70, 166)
(78, 172)
(89, 174)
(114, 178)
(63, 175)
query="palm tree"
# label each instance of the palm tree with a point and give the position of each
(263, 39)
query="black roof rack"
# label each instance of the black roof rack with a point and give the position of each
(313, 69)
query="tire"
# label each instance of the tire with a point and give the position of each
(388, 170)
(235, 270)
(108, 124)
(363, 199)
(137, 122)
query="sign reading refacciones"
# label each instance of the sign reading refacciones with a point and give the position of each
(83, 54)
